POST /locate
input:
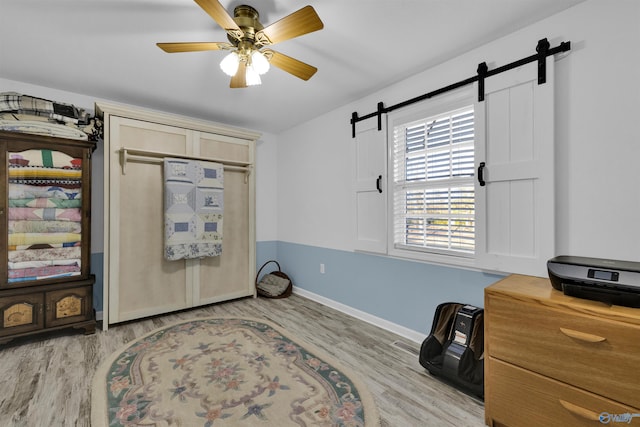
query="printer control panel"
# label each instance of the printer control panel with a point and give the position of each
(612, 276)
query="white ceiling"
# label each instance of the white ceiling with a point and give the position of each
(106, 49)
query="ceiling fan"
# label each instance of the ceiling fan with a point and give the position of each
(249, 40)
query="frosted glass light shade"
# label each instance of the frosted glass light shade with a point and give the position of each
(230, 63)
(252, 77)
(259, 62)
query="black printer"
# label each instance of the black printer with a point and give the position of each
(609, 281)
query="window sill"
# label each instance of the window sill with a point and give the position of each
(466, 262)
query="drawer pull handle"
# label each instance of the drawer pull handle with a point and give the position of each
(582, 336)
(580, 411)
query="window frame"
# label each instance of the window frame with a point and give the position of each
(442, 104)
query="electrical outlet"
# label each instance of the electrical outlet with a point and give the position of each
(321, 268)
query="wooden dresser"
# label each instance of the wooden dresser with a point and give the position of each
(554, 360)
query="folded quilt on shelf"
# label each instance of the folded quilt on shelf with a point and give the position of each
(47, 214)
(27, 226)
(42, 263)
(52, 254)
(43, 202)
(20, 239)
(42, 173)
(25, 191)
(194, 205)
(40, 273)
(44, 158)
(43, 246)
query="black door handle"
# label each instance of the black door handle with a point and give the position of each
(481, 174)
(378, 182)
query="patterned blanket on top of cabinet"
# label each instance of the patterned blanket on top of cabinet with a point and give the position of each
(44, 215)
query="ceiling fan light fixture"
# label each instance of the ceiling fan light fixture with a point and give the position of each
(247, 36)
(252, 76)
(259, 62)
(230, 63)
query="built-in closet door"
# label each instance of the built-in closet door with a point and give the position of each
(141, 281)
(231, 274)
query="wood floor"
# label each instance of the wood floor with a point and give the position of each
(47, 382)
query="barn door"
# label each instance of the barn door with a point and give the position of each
(515, 162)
(370, 187)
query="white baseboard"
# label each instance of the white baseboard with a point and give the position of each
(407, 333)
(99, 315)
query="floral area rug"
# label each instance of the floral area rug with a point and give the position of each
(226, 372)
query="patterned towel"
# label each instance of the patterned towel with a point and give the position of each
(193, 192)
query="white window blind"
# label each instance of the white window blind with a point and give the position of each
(433, 188)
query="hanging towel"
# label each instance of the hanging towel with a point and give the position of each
(193, 204)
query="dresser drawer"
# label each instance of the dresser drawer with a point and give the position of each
(592, 353)
(66, 306)
(517, 397)
(21, 313)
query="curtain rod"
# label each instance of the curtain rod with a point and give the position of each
(134, 154)
(482, 73)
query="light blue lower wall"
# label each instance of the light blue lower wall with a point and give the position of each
(402, 292)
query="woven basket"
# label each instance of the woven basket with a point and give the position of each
(278, 273)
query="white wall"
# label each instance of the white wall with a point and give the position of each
(597, 137)
(266, 188)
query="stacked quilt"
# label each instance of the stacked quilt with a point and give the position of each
(45, 215)
(29, 114)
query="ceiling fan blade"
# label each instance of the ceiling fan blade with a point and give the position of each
(221, 16)
(193, 46)
(301, 22)
(290, 65)
(240, 79)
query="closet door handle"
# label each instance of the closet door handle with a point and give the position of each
(582, 336)
(481, 174)
(378, 184)
(580, 411)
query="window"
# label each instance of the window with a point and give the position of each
(433, 183)
(434, 209)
